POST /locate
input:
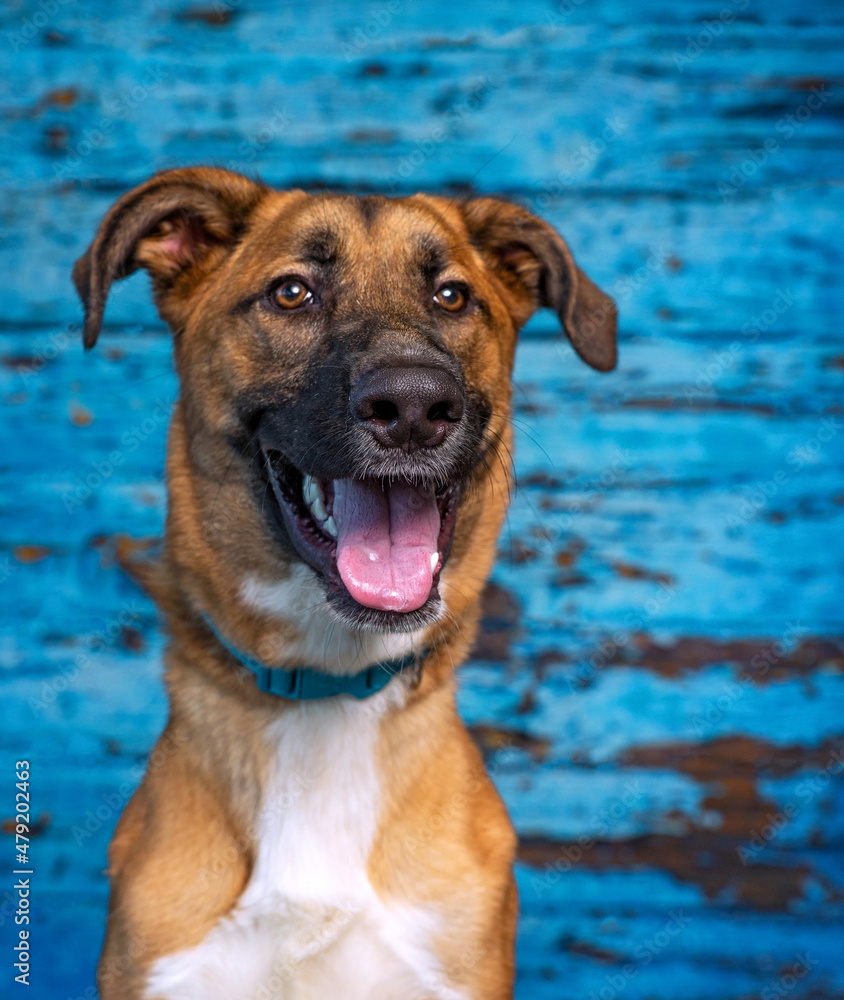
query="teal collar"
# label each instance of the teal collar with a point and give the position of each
(310, 683)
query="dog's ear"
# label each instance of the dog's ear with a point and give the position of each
(537, 269)
(178, 225)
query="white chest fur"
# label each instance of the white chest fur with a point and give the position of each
(323, 639)
(309, 924)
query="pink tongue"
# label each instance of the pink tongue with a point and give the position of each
(386, 536)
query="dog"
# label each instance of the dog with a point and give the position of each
(315, 821)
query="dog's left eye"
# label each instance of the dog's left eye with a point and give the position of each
(452, 297)
(291, 294)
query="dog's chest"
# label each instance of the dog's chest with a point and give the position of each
(309, 923)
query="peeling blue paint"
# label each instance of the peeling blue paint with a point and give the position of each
(691, 154)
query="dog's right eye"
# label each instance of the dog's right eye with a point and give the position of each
(291, 294)
(452, 297)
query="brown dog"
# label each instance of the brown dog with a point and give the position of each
(316, 821)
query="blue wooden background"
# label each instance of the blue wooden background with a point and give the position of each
(659, 683)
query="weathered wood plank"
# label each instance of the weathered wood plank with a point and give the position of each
(659, 685)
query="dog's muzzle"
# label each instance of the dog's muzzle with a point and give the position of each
(378, 521)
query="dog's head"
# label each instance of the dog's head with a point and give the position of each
(345, 374)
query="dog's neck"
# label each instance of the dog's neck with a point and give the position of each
(329, 653)
(321, 640)
(314, 683)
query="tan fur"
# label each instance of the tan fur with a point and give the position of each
(209, 240)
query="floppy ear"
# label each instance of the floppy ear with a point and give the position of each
(179, 225)
(537, 268)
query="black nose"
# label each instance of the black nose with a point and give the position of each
(407, 408)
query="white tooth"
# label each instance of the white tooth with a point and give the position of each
(330, 526)
(317, 506)
(435, 558)
(314, 498)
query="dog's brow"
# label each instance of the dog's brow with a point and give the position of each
(369, 205)
(431, 255)
(318, 246)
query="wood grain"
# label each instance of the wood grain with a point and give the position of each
(659, 685)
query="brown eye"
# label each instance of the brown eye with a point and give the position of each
(452, 298)
(291, 294)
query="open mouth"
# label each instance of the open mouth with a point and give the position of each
(380, 544)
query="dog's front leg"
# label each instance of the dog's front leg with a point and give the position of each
(176, 863)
